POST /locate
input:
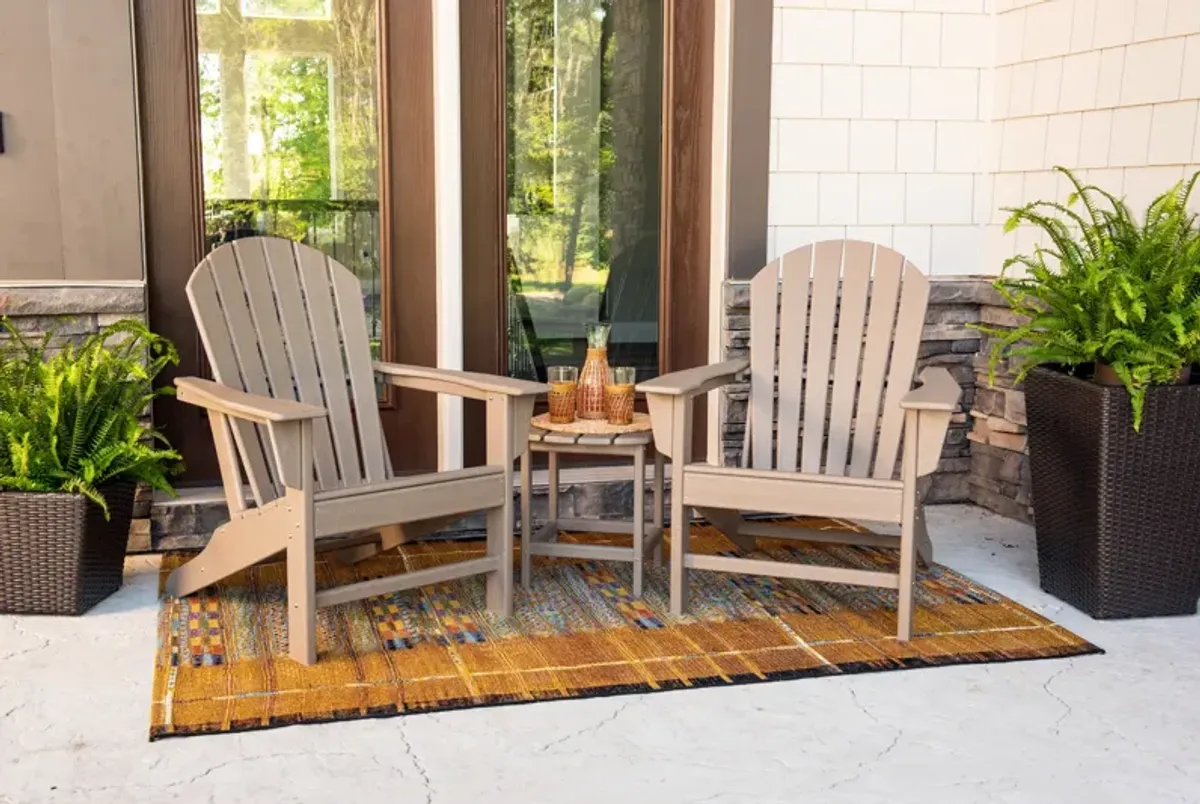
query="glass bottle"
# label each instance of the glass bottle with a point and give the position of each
(594, 376)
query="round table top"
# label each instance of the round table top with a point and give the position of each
(598, 427)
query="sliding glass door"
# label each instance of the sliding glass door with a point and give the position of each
(584, 137)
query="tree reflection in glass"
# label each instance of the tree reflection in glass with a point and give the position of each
(584, 114)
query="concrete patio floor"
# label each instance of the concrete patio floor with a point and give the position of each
(74, 704)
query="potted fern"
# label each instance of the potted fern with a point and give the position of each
(72, 450)
(1111, 330)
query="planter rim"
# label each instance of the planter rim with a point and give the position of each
(1046, 371)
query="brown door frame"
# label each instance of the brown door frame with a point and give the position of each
(686, 187)
(173, 210)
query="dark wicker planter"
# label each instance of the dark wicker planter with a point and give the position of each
(1117, 511)
(58, 554)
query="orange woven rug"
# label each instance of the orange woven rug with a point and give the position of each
(222, 664)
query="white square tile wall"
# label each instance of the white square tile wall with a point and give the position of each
(1115, 96)
(882, 125)
(913, 122)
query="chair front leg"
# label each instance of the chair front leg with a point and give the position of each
(301, 540)
(508, 420)
(681, 455)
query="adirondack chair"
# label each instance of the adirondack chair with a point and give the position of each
(294, 409)
(821, 454)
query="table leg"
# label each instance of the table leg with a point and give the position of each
(553, 457)
(659, 505)
(526, 519)
(639, 519)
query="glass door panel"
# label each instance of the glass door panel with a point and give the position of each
(584, 136)
(289, 126)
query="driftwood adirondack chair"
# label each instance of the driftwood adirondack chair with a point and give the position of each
(294, 409)
(822, 452)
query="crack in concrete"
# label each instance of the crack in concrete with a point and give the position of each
(862, 766)
(45, 643)
(416, 761)
(861, 708)
(588, 729)
(1067, 710)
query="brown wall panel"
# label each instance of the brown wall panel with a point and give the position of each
(409, 222)
(483, 213)
(687, 209)
(69, 183)
(174, 214)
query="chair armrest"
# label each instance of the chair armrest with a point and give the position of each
(259, 409)
(457, 383)
(938, 391)
(695, 381)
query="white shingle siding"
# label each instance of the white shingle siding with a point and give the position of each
(912, 122)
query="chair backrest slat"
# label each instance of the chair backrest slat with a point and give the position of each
(318, 302)
(910, 322)
(796, 268)
(347, 291)
(885, 291)
(284, 280)
(213, 327)
(856, 282)
(866, 303)
(764, 319)
(281, 319)
(827, 266)
(232, 291)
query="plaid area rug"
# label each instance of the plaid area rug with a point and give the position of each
(222, 665)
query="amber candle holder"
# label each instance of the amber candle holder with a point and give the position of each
(618, 395)
(564, 384)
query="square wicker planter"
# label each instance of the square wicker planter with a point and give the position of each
(58, 554)
(1117, 511)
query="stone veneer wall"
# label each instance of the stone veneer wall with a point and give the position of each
(999, 457)
(73, 312)
(983, 460)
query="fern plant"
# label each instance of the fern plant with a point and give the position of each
(69, 420)
(1107, 289)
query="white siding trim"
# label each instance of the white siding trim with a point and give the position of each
(718, 267)
(447, 138)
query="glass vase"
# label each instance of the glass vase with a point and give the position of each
(594, 375)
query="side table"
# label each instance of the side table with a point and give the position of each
(593, 438)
